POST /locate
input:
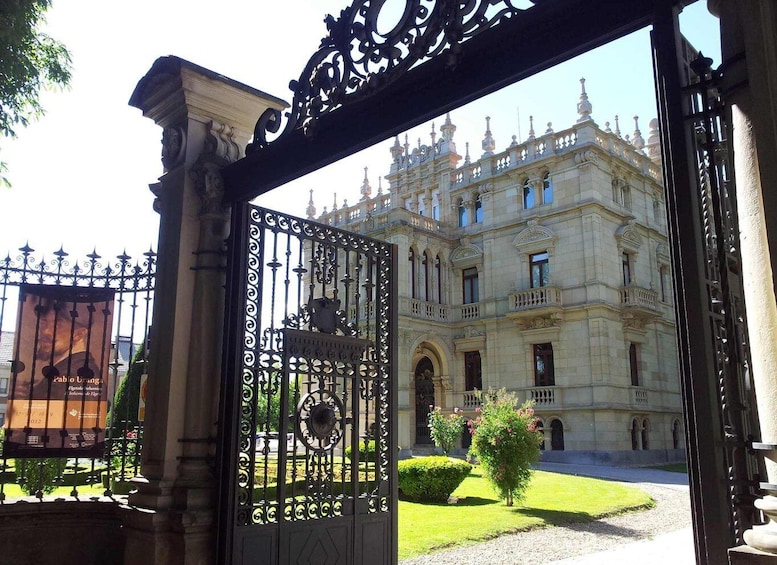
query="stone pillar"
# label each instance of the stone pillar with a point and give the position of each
(749, 47)
(207, 121)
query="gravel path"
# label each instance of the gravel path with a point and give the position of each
(671, 512)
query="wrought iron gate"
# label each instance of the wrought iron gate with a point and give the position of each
(312, 474)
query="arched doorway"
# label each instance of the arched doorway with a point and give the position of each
(424, 400)
(556, 435)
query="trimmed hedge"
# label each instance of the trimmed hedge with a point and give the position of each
(431, 479)
(366, 451)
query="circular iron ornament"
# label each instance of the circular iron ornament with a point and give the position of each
(320, 419)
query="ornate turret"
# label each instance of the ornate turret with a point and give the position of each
(584, 107)
(653, 146)
(311, 209)
(366, 189)
(637, 140)
(488, 141)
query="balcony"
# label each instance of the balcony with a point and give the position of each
(639, 398)
(422, 310)
(633, 296)
(640, 306)
(536, 307)
(545, 396)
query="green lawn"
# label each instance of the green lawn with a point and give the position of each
(552, 499)
(13, 490)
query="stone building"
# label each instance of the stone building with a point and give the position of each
(542, 268)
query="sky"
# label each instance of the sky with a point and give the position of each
(80, 175)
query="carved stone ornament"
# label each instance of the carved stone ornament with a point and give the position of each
(628, 237)
(535, 238)
(466, 255)
(586, 157)
(539, 322)
(210, 186)
(355, 60)
(173, 145)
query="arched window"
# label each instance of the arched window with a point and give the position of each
(528, 195)
(462, 210)
(634, 434)
(556, 435)
(676, 434)
(547, 189)
(478, 211)
(426, 273)
(411, 273)
(438, 274)
(541, 429)
(645, 430)
(424, 399)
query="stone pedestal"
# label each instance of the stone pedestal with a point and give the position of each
(207, 120)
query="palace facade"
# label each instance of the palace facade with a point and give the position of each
(542, 268)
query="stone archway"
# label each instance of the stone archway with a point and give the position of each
(424, 399)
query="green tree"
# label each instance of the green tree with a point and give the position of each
(268, 405)
(123, 415)
(30, 61)
(506, 442)
(40, 475)
(445, 429)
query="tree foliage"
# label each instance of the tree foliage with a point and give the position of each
(506, 442)
(30, 61)
(123, 415)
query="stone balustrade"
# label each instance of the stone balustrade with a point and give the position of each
(438, 312)
(633, 295)
(534, 298)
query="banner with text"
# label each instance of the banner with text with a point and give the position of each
(57, 404)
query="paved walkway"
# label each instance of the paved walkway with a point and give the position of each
(673, 548)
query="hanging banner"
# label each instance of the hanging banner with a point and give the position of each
(57, 403)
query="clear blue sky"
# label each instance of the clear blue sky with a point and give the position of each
(80, 175)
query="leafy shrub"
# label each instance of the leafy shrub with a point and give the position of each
(506, 442)
(39, 474)
(445, 429)
(366, 451)
(432, 478)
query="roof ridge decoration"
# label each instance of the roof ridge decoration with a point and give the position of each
(355, 59)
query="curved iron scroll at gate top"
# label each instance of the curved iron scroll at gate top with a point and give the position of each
(316, 445)
(356, 60)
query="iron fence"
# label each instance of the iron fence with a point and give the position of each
(69, 422)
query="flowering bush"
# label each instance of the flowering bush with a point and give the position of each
(506, 442)
(445, 429)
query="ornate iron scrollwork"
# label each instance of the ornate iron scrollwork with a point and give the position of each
(356, 58)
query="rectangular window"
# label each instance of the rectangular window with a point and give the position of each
(664, 282)
(626, 260)
(470, 285)
(2, 419)
(473, 377)
(543, 365)
(634, 364)
(4, 386)
(539, 269)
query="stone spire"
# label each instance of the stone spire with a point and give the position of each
(334, 203)
(637, 140)
(584, 107)
(467, 160)
(617, 126)
(311, 210)
(488, 141)
(380, 186)
(366, 189)
(433, 135)
(531, 129)
(396, 150)
(448, 129)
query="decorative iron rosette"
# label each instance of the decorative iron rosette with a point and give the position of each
(320, 420)
(363, 53)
